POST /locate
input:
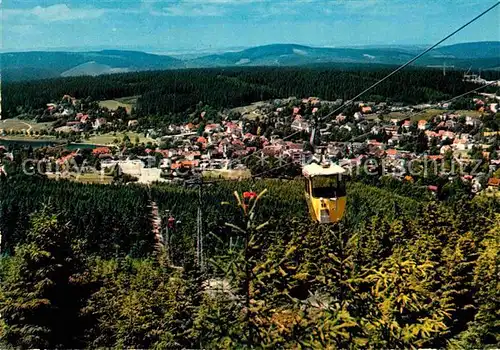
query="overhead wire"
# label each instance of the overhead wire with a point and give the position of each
(357, 137)
(404, 65)
(414, 59)
(472, 91)
(388, 76)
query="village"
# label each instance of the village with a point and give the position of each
(285, 133)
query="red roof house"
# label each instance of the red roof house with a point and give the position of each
(101, 150)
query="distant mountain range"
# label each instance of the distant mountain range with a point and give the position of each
(49, 64)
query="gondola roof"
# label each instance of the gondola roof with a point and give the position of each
(322, 170)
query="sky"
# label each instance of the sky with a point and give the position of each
(191, 25)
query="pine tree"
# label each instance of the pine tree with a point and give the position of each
(484, 330)
(406, 312)
(141, 303)
(38, 296)
(459, 288)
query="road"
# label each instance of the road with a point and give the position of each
(29, 126)
(156, 221)
(20, 121)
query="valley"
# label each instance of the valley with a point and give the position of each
(250, 174)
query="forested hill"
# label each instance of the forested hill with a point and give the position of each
(41, 64)
(474, 55)
(34, 65)
(164, 92)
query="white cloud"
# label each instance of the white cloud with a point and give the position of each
(63, 12)
(53, 13)
(190, 10)
(217, 8)
(382, 8)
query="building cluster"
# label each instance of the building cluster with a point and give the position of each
(297, 130)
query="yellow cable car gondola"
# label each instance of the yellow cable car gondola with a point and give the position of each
(325, 192)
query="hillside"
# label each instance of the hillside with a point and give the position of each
(40, 64)
(92, 68)
(485, 49)
(289, 54)
(476, 55)
(36, 65)
(396, 273)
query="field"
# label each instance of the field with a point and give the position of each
(227, 174)
(427, 114)
(252, 111)
(88, 178)
(109, 138)
(22, 125)
(126, 102)
(394, 115)
(431, 113)
(469, 113)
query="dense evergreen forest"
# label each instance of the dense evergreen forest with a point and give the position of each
(177, 91)
(111, 221)
(403, 269)
(395, 273)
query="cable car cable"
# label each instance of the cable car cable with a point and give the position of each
(390, 74)
(407, 63)
(414, 59)
(395, 71)
(470, 92)
(340, 142)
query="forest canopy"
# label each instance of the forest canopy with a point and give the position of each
(178, 91)
(396, 272)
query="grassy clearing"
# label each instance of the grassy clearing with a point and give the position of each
(88, 178)
(227, 174)
(125, 102)
(94, 178)
(129, 100)
(252, 111)
(395, 115)
(470, 113)
(23, 125)
(113, 105)
(428, 114)
(109, 138)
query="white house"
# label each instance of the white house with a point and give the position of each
(300, 125)
(461, 144)
(358, 116)
(471, 120)
(98, 123)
